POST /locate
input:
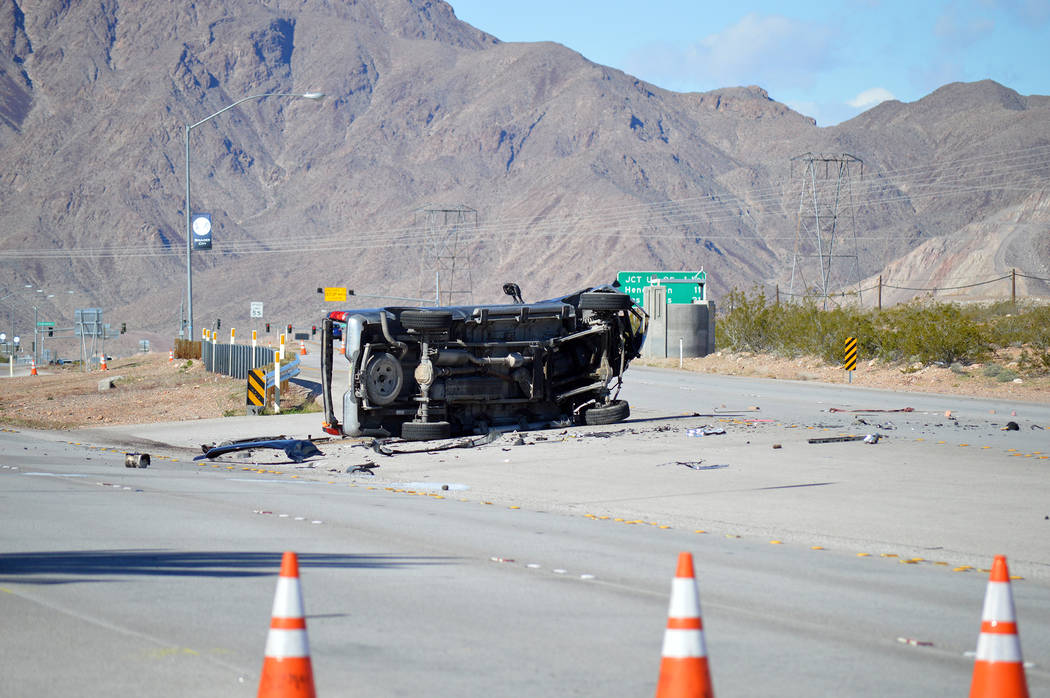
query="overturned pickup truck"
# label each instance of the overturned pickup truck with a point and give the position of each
(431, 373)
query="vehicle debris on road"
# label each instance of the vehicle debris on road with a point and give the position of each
(297, 450)
(136, 460)
(694, 465)
(834, 439)
(705, 431)
(843, 409)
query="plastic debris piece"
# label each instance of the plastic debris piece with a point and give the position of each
(913, 642)
(297, 450)
(1011, 426)
(872, 438)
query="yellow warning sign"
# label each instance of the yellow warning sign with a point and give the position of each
(851, 353)
(335, 293)
(257, 388)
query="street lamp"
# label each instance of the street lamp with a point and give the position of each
(189, 235)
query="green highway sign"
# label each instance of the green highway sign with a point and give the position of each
(679, 290)
(45, 324)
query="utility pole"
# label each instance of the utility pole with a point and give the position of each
(826, 189)
(447, 232)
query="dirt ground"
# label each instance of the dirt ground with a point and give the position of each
(966, 380)
(148, 388)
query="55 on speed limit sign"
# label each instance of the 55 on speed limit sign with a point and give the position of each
(256, 309)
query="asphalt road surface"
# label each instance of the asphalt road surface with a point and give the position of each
(545, 568)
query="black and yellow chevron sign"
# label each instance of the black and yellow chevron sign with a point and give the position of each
(257, 387)
(851, 353)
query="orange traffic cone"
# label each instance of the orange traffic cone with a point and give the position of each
(287, 672)
(683, 668)
(171, 356)
(998, 671)
(102, 364)
(302, 348)
(32, 367)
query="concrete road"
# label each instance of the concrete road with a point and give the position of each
(544, 568)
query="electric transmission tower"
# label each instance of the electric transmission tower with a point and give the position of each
(447, 236)
(826, 192)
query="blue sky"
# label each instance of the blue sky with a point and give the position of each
(828, 60)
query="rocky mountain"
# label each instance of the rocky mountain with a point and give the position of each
(574, 170)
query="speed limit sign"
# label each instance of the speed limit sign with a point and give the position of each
(256, 309)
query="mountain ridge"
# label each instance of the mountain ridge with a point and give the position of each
(576, 169)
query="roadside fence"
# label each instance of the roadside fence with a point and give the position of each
(855, 295)
(234, 360)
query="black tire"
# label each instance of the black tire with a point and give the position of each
(596, 300)
(611, 413)
(425, 431)
(421, 320)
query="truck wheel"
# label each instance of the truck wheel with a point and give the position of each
(596, 300)
(425, 431)
(613, 412)
(422, 319)
(383, 379)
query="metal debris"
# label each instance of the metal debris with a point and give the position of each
(843, 409)
(695, 465)
(835, 439)
(383, 446)
(136, 460)
(365, 468)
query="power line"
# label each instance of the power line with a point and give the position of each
(621, 220)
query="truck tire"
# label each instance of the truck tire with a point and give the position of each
(425, 319)
(596, 300)
(425, 431)
(611, 413)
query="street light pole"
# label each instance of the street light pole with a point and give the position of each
(189, 235)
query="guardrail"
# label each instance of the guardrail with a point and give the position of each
(236, 360)
(289, 370)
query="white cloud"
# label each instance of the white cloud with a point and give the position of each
(773, 51)
(871, 97)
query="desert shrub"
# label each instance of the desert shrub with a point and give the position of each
(1016, 325)
(922, 332)
(1036, 362)
(932, 333)
(991, 370)
(749, 324)
(1006, 375)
